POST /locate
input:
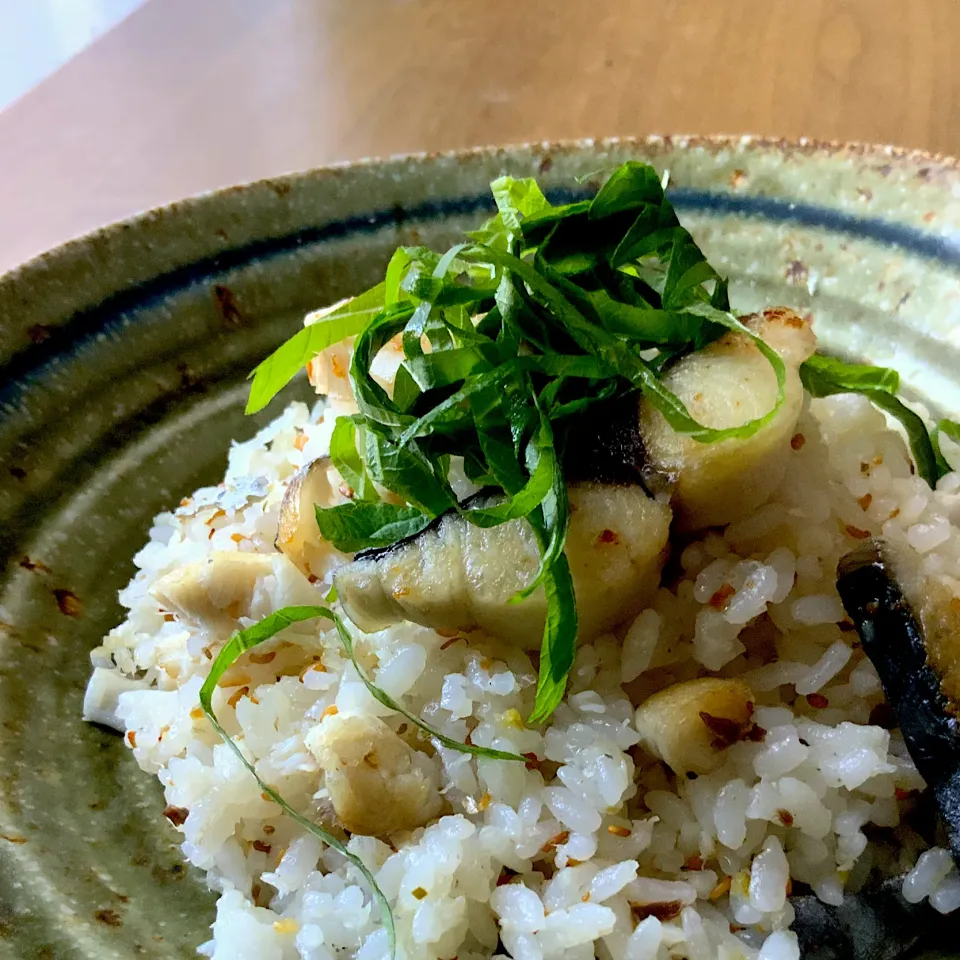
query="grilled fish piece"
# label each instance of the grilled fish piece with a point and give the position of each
(911, 667)
(455, 576)
(725, 385)
(217, 590)
(378, 784)
(689, 725)
(313, 485)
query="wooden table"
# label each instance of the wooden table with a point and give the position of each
(188, 95)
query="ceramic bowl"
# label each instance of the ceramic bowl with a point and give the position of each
(124, 357)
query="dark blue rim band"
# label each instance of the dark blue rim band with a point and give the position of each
(945, 249)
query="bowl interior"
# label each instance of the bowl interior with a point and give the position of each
(124, 361)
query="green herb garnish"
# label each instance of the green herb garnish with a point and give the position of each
(289, 359)
(951, 429)
(357, 526)
(546, 312)
(825, 376)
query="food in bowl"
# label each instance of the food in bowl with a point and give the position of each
(527, 640)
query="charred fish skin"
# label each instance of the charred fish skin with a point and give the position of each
(875, 924)
(893, 639)
(605, 445)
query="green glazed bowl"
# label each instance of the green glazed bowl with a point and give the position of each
(124, 356)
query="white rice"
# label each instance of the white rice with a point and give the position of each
(600, 851)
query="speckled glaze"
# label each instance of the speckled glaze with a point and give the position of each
(123, 359)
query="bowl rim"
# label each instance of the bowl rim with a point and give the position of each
(279, 183)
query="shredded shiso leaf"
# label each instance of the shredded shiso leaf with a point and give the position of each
(508, 337)
(823, 376)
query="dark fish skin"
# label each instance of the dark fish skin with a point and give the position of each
(875, 924)
(893, 640)
(604, 445)
(378, 553)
